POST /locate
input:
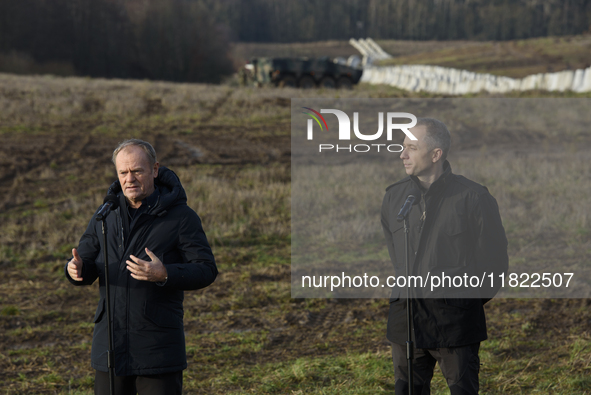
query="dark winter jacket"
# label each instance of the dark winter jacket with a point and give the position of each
(147, 316)
(455, 230)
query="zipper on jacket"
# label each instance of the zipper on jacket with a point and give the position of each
(422, 203)
(122, 246)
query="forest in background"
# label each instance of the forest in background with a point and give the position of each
(317, 20)
(172, 40)
(189, 40)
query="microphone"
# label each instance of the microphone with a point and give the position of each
(405, 210)
(110, 203)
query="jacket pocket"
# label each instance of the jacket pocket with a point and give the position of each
(395, 296)
(452, 245)
(100, 311)
(163, 316)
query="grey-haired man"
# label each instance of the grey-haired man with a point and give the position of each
(157, 249)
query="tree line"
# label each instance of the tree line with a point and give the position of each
(189, 40)
(313, 20)
(173, 40)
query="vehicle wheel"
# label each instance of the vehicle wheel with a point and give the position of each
(328, 82)
(344, 83)
(307, 82)
(288, 80)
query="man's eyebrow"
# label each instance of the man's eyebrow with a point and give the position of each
(134, 169)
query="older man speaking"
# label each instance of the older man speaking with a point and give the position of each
(156, 250)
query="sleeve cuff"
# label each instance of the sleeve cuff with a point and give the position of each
(162, 283)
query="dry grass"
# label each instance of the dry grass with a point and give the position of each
(240, 204)
(234, 203)
(29, 99)
(37, 104)
(538, 193)
(47, 104)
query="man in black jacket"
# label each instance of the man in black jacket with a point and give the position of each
(458, 247)
(157, 249)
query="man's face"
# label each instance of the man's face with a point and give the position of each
(416, 156)
(135, 174)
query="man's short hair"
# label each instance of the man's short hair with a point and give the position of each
(147, 147)
(437, 135)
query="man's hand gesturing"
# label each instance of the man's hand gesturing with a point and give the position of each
(75, 266)
(153, 270)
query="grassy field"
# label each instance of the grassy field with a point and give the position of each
(230, 146)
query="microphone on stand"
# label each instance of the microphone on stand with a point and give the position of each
(110, 203)
(403, 216)
(407, 206)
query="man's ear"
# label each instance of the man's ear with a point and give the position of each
(156, 166)
(437, 155)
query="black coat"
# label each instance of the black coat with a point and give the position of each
(455, 230)
(147, 317)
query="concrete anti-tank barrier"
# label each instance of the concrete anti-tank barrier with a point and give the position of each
(444, 80)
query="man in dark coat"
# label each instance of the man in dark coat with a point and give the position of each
(458, 247)
(157, 249)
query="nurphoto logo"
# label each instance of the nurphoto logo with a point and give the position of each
(345, 130)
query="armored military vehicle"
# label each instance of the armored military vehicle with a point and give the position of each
(304, 72)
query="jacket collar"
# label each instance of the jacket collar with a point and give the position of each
(168, 192)
(439, 184)
(151, 200)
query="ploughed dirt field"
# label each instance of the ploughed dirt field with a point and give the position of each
(230, 147)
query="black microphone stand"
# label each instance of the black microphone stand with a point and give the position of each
(109, 204)
(409, 315)
(110, 354)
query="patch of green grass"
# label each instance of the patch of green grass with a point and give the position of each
(10, 310)
(348, 374)
(25, 129)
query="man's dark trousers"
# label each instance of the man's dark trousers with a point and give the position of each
(158, 384)
(459, 365)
